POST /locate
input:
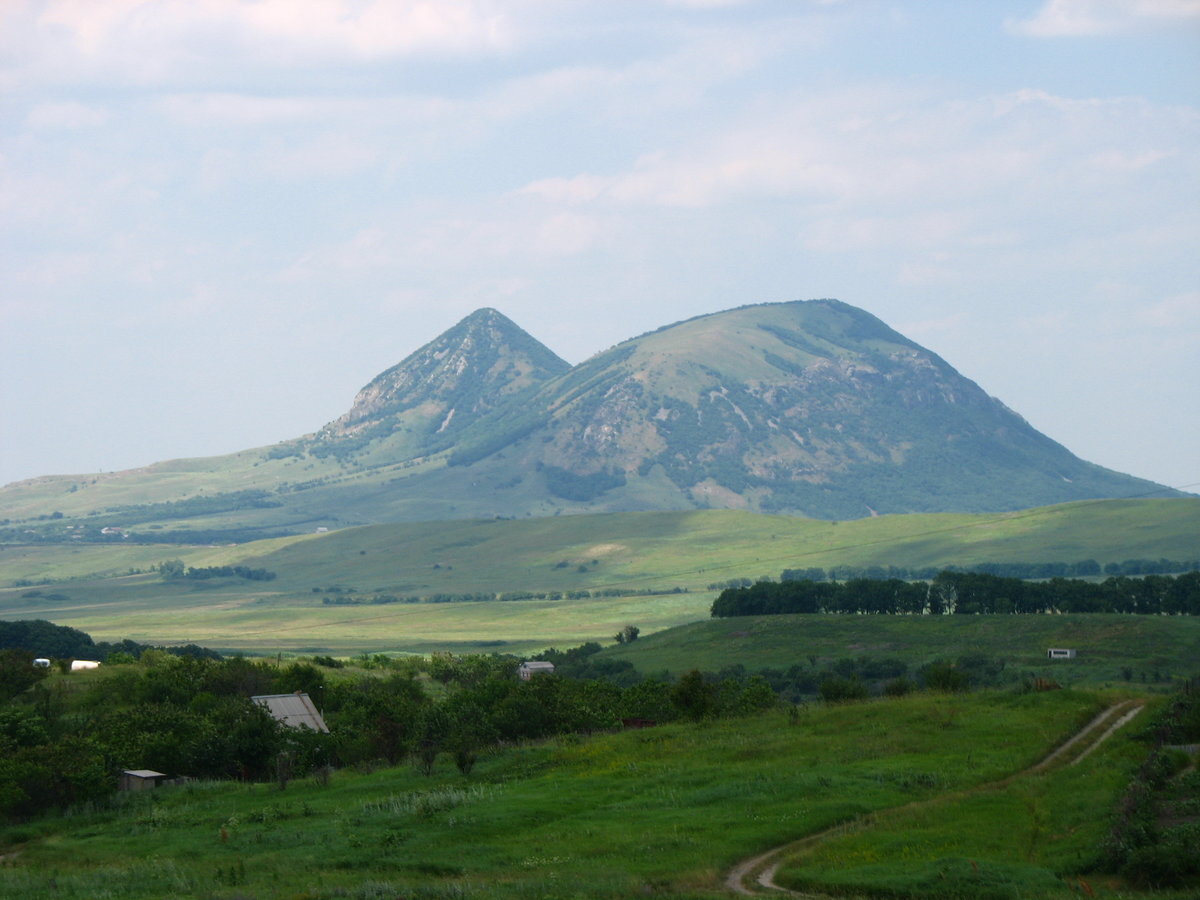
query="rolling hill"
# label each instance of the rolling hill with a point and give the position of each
(578, 578)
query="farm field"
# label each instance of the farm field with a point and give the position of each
(112, 591)
(664, 811)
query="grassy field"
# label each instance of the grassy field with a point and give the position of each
(90, 586)
(664, 811)
(1106, 645)
(1034, 835)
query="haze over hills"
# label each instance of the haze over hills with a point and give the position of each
(812, 408)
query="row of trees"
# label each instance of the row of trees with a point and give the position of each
(175, 570)
(966, 593)
(1027, 570)
(61, 642)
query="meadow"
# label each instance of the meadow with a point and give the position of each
(663, 811)
(112, 592)
(1147, 650)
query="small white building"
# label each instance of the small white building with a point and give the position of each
(140, 780)
(79, 664)
(529, 668)
(41, 663)
(1060, 653)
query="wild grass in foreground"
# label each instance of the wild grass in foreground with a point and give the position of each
(664, 811)
(1038, 836)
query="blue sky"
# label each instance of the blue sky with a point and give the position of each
(220, 218)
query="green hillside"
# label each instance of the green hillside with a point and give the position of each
(111, 592)
(665, 812)
(1110, 648)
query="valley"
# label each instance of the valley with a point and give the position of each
(342, 592)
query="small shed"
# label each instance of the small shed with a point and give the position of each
(140, 780)
(41, 663)
(80, 664)
(294, 710)
(1060, 653)
(529, 668)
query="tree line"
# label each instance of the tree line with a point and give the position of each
(1027, 570)
(966, 593)
(61, 642)
(174, 570)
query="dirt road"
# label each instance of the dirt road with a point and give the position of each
(755, 877)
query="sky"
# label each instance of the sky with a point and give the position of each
(221, 218)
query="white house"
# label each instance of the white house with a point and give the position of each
(1060, 653)
(78, 664)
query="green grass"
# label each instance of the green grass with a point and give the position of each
(1037, 836)
(666, 810)
(631, 551)
(1106, 644)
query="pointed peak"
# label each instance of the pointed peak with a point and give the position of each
(468, 369)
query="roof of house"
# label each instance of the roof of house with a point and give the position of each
(294, 710)
(143, 773)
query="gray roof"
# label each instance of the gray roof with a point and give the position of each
(294, 710)
(143, 773)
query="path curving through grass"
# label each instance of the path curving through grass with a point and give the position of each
(755, 877)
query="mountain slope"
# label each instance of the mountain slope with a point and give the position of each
(419, 406)
(816, 408)
(810, 408)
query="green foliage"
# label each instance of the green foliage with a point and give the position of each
(581, 488)
(944, 676)
(604, 817)
(966, 593)
(42, 638)
(17, 673)
(695, 697)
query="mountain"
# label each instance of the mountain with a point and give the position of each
(812, 408)
(419, 406)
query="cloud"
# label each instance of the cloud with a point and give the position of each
(1087, 18)
(869, 155)
(152, 41)
(68, 115)
(1180, 311)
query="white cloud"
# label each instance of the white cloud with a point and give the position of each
(1086, 18)
(1180, 311)
(66, 115)
(156, 41)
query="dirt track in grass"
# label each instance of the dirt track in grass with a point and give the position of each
(755, 877)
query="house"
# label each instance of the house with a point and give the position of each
(529, 668)
(41, 663)
(293, 710)
(79, 664)
(1060, 653)
(140, 780)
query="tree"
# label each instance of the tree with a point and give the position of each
(694, 697)
(432, 729)
(17, 673)
(628, 634)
